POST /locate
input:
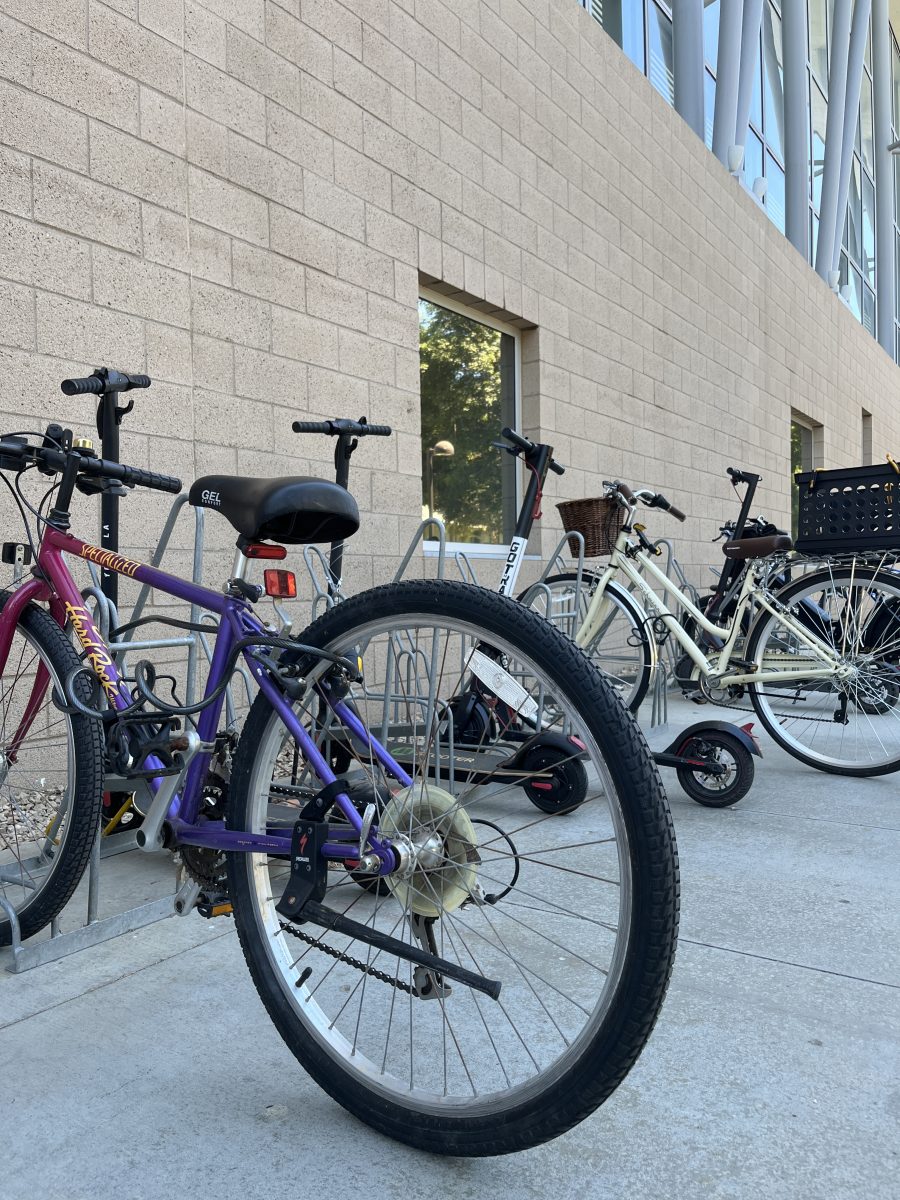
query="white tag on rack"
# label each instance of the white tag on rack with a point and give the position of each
(502, 684)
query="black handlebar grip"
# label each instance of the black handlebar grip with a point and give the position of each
(625, 491)
(558, 468)
(311, 427)
(517, 439)
(677, 513)
(375, 430)
(150, 479)
(79, 387)
(137, 381)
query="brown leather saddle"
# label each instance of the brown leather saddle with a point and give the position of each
(759, 547)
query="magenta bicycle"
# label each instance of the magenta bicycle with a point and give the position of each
(464, 974)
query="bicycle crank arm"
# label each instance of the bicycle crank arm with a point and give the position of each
(327, 918)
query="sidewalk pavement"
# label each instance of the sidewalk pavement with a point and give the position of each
(146, 1068)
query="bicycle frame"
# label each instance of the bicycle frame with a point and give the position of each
(177, 798)
(623, 558)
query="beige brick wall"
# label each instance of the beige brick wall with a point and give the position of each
(242, 197)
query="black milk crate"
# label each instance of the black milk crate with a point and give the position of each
(850, 510)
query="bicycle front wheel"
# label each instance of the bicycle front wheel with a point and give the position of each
(51, 775)
(575, 916)
(849, 722)
(620, 649)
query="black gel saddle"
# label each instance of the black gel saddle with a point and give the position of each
(295, 510)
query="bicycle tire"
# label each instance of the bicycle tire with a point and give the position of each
(789, 717)
(629, 683)
(48, 871)
(586, 1071)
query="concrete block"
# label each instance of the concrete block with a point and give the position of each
(367, 179)
(225, 314)
(265, 376)
(34, 125)
(296, 139)
(248, 15)
(235, 210)
(415, 205)
(15, 51)
(17, 321)
(86, 333)
(212, 363)
(334, 22)
(152, 174)
(305, 338)
(388, 61)
(264, 172)
(298, 43)
(393, 322)
(302, 240)
(207, 143)
(366, 357)
(261, 69)
(135, 50)
(162, 121)
(369, 268)
(233, 420)
(141, 287)
(333, 300)
(334, 206)
(61, 19)
(164, 18)
(82, 206)
(204, 33)
(268, 275)
(210, 253)
(331, 112)
(32, 254)
(165, 236)
(168, 353)
(361, 85)
(15, 182)
(218, 96)
(332, 393)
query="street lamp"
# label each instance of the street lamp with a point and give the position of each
(442, 449)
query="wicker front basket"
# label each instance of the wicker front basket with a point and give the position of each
(598, 519)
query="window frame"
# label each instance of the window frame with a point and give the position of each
(486, 550)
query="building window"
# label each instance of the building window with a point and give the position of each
(866, 439)
(806, 440)
(468, 371)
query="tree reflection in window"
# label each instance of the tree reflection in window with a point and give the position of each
(468, 394)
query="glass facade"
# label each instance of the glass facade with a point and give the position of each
(649, 44)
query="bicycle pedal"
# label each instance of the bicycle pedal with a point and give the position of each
(214, 904)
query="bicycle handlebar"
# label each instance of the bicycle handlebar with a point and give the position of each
(651, 499)
(103, 380)
(529, 447)
(55, 460)
(342, 425)
(742, 476)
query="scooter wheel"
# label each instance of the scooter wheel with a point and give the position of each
(712, 790)
(565, 784)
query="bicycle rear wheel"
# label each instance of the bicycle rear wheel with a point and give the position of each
(620, 650)
(848, 724)
(575, 915)
(51, 775)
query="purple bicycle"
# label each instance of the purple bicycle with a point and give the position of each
(462, 973)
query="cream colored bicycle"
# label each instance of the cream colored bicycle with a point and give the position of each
(820, 658)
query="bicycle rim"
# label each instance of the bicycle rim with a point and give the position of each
(559, 933)
(37, 772)
(848, 725)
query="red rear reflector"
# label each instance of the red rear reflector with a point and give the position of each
(281, 584)
(261, 550)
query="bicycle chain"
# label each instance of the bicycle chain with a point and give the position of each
(346, 958)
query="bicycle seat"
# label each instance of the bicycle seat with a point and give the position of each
(758, 547)
(294, 510)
